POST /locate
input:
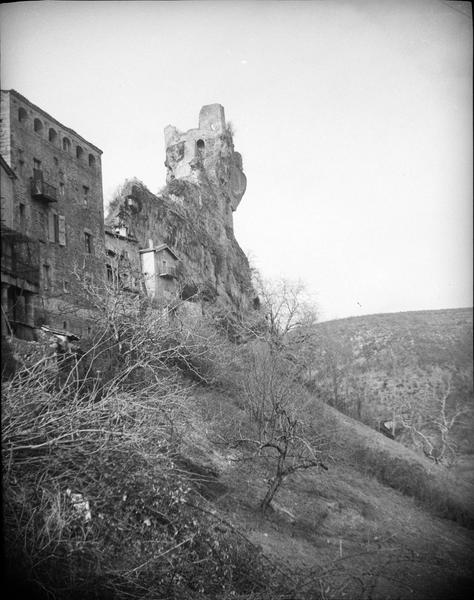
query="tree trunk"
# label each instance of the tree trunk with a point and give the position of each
(275, 484)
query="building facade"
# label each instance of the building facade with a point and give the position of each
(57, 208)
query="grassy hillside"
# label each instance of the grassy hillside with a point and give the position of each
(402, 365)
(148, 483)
(425, 337)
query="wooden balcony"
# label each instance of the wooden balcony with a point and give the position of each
(169, 272)
(41, 190)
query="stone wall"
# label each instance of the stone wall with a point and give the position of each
(34, 142)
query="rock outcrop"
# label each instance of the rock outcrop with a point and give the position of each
(193, 213)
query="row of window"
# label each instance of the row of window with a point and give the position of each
(53, 138)
(37, 167)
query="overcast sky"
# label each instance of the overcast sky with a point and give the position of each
(354, 119)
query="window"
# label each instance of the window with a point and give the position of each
(56, 227)
(110, 273)
(46, 277)
(61, 189)
(66, 286)
(88, 242)
(52, 135)
(38, 126)
(36, 164)
(21, 161)
(22, 115)
(65, 325)
(79, 152)
(91, 160)
(85, 192)
(200, 145)
(62, 230)
(67, 145)
(22, 218)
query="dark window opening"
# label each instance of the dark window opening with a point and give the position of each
(56, 228)
(67, 144)
(66, 286)
(88, 243)
(46, 277)
(85, 191)
(22, 115)
(52, 135)
(91, 160)
(22, 218)
(110, 273)
(79, 152)
(38, 126)
(36, 164)
(200, 145)
(65, 325)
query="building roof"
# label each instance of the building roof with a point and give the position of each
(9, 171)
(158, 249)
(48, 116)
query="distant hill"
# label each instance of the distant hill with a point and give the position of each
(432, 337)
(411, 371)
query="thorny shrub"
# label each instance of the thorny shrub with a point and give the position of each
(115, 445)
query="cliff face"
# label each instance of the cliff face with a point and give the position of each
(184, 216)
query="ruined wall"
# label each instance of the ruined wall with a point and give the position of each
(206, 155)
(33, 141)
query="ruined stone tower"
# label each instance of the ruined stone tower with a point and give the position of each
(206, 156)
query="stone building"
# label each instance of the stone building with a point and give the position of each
(19, 264)
(159, 269)
(58, 209)
(122, 260)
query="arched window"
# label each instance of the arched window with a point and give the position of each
(79, 152)
(91, 160)
(52, 135)
(22, 115)
(67, 144)
(200, 145)
(38, 126)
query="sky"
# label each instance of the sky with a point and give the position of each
(353, 117)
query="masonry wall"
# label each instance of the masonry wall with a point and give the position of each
(32, 139)
(122, 261)
(7, 197)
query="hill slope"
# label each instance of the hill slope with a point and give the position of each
(412, 370)
(361, 537)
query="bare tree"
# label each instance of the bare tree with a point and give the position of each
(286, 306)
(428, 408)
(277, 428)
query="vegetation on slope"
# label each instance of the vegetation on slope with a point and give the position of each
(412, 370)
(139, 469)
